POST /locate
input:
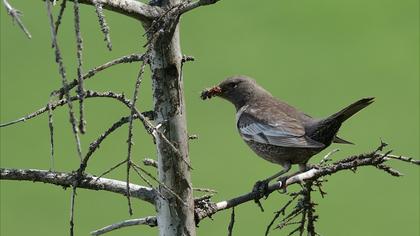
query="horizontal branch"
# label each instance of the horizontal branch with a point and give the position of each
(87, 181)
(203, 207)
(136, 9)
(149, 220)
(351, 163)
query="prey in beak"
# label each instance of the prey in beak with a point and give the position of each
(209, 93)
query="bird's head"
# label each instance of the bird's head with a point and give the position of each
(236, 89)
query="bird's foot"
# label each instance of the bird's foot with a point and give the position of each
(261, 187)
(283, 180)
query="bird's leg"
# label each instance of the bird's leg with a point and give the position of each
(262, 186)
(302, 168)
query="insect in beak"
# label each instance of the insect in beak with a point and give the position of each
(209, 93)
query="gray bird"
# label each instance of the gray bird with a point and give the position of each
(276, 131)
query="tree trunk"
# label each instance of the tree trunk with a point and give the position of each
(174, 217)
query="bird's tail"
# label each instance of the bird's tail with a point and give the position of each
(349, 111)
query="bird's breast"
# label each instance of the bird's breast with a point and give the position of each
(281, 155)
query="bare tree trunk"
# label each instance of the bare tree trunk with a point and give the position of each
(174, 217)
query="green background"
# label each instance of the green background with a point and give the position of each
(317, 55)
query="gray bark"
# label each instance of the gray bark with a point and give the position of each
(174, 217)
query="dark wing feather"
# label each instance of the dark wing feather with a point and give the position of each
(285, 132)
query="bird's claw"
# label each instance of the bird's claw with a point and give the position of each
(261, 187)
(283, 180)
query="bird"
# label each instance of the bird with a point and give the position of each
(277, 131)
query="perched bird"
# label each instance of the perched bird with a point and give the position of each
(276, 131)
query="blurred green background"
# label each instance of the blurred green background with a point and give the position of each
(317, 55)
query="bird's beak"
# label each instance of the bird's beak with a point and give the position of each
(209, 93)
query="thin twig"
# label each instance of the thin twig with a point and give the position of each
(153, 27)
(192, 137)
(111, 169)
(79, 49)
(186, 58)
(302, 223)
(278, 213)
(60, 15)
(137, 170)
(142, 177)
(327, 157)
(172, 146)
(15, 14)
(130, 131)
(62, 73)
(73, 196)
(232, 222)
(94, 145)
(159, 182)
(51, 128)
(402, 158)
(205, 190)
(389, 170)
(124, 59)
(310, 209)
(103, 24)
(127, 182)
(295, 230)
(150, 162)
(289, 217)
(149, 220)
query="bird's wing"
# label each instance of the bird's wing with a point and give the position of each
(285, 132)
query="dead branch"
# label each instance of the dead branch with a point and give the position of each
(87, 182)
(351, 163)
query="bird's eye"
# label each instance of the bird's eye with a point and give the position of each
(233, 85)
